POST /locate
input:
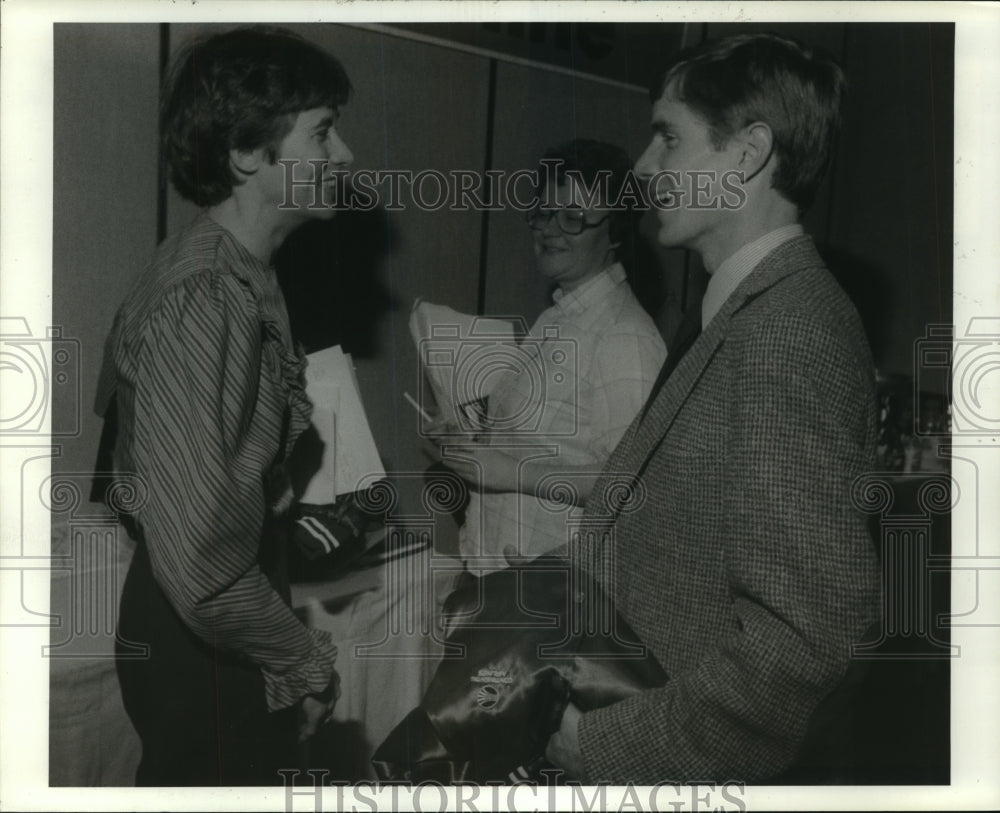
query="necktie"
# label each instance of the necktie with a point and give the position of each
(688, 331)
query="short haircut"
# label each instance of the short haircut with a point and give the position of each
(734, 81)
(587, 160)
(240, 89)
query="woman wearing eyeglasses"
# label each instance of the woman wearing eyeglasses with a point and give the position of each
(588, 364)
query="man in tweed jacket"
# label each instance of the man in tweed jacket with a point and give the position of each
(742, 562)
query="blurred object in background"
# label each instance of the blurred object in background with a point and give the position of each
(913, 425)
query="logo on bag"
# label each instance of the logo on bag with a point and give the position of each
(490, 674)
(493, 680)
(488, 696)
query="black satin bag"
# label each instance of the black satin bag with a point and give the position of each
(533, 637)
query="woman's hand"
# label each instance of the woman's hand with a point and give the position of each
(483, 467)
(441, 430)
(493, 468)
(315, 710)
(479, 464)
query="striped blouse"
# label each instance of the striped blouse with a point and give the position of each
(210, 397)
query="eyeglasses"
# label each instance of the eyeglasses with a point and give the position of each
(569, 221)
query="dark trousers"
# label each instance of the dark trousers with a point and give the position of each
(200, 712)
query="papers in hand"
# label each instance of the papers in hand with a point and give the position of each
(461, 355)
(349, 452)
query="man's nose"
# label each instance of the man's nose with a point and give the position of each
(648, 163)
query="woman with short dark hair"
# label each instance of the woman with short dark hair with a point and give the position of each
(587, 366)
(210, 399)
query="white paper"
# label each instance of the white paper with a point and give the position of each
(349, 454)
(458, 353)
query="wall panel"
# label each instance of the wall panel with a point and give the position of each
(104, 195)
(892, 218)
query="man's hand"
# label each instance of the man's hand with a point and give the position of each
(563, 749)
(318, 709)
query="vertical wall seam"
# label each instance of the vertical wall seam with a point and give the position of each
(484, 229)
(161, 169)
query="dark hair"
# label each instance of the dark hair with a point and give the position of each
(239, 90)
(734, 81)
(588, 159)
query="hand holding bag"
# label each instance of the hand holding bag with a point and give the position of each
(534, 637)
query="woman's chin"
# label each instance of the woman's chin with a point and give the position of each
(551, 267)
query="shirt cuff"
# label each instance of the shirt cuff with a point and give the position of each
(311, 675)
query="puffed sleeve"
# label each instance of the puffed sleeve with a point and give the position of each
(196, 393)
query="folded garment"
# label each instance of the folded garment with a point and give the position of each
(533, 638)
(334, 533)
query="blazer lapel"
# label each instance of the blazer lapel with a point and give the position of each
(662, 412)
(645, 434)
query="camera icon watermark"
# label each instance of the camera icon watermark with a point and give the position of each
(539, 373)
(40, 378)
(973, 361)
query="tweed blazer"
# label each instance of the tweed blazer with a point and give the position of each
(742, 562)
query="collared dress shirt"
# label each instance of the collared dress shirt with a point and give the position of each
(587, 365)
(738, 266)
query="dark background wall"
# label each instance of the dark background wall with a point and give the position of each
(492, 96)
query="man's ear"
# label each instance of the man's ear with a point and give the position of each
(246, 162)
(755, 145)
